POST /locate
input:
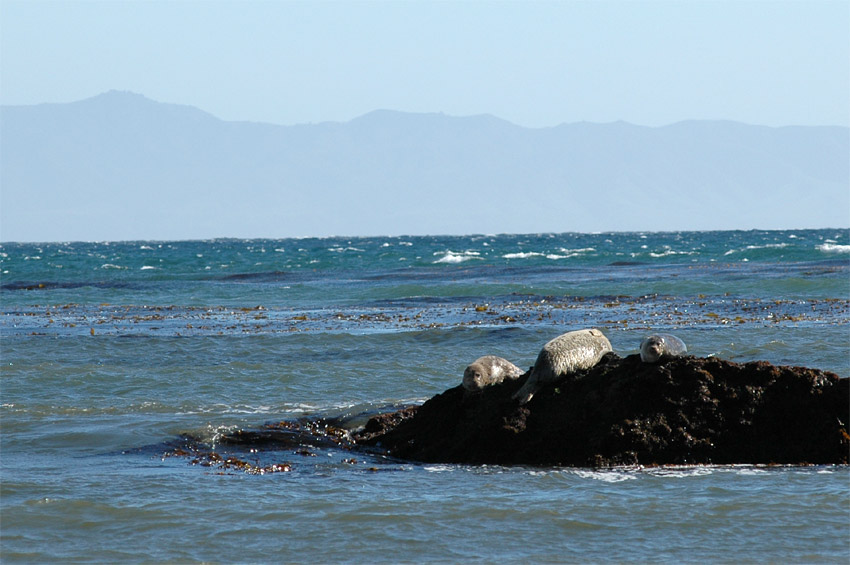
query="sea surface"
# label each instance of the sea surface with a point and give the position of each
(123, 360)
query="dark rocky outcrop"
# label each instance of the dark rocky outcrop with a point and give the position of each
(686, 410)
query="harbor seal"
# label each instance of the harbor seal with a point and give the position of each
(488, 370)
(658, 346)
(567, 353)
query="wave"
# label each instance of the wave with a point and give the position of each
(669, 252)
(452, 257)
(833, 248)
(768, 246)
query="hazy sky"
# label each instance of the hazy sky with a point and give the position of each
(532, 63)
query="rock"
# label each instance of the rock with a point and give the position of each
(685, 410)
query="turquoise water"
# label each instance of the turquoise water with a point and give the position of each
(115, 353)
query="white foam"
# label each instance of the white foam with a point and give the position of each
(613, 476)
(438, 468)
(669, 252)
(147, 268)
(111, 266)
(750, 471)
(452, 257)
(767, 246)
(521, 255)
(680, 472)
(833, 248)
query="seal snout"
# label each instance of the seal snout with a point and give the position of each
(654, 347)
(488, 370)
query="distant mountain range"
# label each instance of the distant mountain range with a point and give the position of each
(121, 166)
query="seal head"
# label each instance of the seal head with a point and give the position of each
(488, 370)
(659, 346)
(562, 356)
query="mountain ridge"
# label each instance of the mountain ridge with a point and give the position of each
(122, 166)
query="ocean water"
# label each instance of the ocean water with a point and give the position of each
(122, 361)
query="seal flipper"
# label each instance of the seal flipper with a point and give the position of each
(527, 390)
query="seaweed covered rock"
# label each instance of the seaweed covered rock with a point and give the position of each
(686, 410)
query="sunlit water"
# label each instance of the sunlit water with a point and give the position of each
(112, 353)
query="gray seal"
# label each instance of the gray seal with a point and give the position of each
(488, 370)
(566, 354)
(658, 346)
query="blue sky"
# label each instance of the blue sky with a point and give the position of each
(533, 63)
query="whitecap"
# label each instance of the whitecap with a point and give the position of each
(525, 255)
(767, 246)
(669, 252)
(452, 257)
(111, 266)
(147, 268)
(833, 248)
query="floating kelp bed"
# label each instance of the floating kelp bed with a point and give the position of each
(277, 447)
(685, 410)
(633, 312)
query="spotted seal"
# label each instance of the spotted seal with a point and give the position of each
(488, 370)
(658, 346)
(567, 353)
